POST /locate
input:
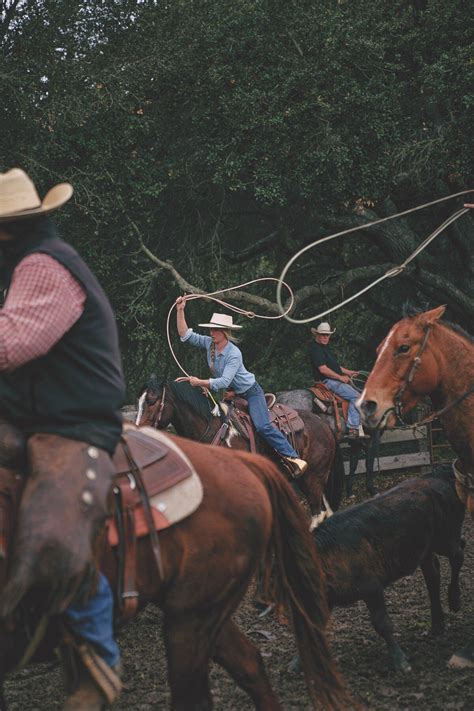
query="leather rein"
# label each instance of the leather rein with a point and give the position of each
(397, 408)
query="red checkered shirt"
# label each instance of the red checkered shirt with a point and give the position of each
(43, 302)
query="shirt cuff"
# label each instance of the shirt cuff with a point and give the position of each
(212, 384)
(187, 335)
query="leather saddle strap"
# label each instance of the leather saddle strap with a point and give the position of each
(292, 432)
(129, 593)
(219, 437)
(137, 474)
(251, 433)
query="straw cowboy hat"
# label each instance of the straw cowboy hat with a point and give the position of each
(220, 321)
(324, 329)
(19, 199)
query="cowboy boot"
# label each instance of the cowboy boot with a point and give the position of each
(296, 466)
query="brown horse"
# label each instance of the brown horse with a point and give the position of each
(190, 413)
(248, 513)
(423, 356)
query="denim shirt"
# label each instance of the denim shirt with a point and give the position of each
(228, 365)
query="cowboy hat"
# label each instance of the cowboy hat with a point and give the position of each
(220, 321)
(324, 329)
(19, 199)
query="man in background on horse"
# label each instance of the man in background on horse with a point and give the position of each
(327, 370)
(61, 389)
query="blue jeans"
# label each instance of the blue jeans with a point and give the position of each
(258, 410)
(93, 622)
(348, 393)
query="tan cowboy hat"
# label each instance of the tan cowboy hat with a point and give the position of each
(220, 321)
(324, 329)
(19, 199)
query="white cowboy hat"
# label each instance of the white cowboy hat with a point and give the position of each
(220, 321)
(324, 329)
(19, 199)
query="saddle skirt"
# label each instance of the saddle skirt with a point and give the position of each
(326, 400)
(282, 417)
(171, 482)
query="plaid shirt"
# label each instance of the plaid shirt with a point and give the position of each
(43, 302)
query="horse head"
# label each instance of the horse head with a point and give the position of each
(164, 402)
(405, 370)
(151, 404)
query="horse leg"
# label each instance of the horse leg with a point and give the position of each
(242, 660)
(430, 569)
(188, 651)
(384, 627)
(454, 593)
(372, 452)
(354, 455)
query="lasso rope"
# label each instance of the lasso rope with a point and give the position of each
(243, 312)
(395, 271)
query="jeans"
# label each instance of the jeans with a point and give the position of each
(258, 410)
(93, 622)
(347, 392)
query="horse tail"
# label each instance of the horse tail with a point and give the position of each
(334, 487)
(299, 585)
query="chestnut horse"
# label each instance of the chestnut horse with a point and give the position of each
(190, 412)
(423, 356)
(248, 513)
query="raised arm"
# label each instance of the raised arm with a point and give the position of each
(180, 318)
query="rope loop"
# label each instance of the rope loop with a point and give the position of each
(389, 274)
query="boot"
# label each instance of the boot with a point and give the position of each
(91, 684)
(296, 466)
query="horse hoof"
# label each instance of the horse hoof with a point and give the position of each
(459, 662)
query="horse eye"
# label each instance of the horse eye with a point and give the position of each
(403, 349)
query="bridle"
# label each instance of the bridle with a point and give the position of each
(397, 407)
(156, 419)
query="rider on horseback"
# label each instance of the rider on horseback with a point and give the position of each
(327, 369)
(61, 388)
(228, 371)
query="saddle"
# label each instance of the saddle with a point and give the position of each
(326, 400)
(281, 416)
(155, 486)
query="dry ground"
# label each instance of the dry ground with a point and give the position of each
(362, 655)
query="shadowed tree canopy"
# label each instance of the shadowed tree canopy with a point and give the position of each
(225, 135)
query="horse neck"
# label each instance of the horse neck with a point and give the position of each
(188, 423)
(455, 360)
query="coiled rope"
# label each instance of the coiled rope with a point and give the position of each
(395, 271)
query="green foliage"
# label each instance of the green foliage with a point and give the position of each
(206, 126)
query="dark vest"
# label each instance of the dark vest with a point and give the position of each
(77, 388)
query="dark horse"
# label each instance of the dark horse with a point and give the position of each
(190, 413)
(368, 447)
(423, 356)
(248, 513)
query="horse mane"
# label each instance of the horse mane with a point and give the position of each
(184, 392)
(411, 311)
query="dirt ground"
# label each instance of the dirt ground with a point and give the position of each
(361, 654)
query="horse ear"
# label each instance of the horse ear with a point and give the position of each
(434, 315)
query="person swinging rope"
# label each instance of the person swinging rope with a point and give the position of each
(228, 371)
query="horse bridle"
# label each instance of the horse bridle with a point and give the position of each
(466, 480)
(155, 423)
(398, 407)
